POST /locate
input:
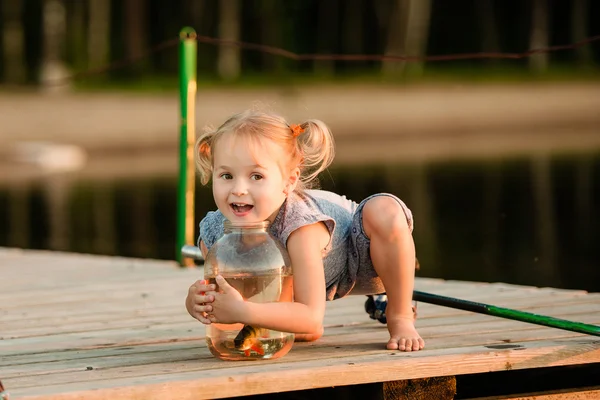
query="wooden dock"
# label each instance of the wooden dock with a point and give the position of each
(87, 327)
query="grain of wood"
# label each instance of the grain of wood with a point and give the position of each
(139, 341)
(254, 378)
(592, 393)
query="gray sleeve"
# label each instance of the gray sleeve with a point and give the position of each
(300, 216)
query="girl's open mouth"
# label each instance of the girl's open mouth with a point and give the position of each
(240, 209)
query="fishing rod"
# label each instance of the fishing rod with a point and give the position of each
(467, 305)
(508, 313)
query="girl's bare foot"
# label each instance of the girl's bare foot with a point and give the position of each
(403, 335)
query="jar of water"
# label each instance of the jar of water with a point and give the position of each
(255, 264)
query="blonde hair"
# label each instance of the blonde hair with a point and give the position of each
(312, 150)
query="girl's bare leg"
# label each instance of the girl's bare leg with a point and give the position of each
(393, 255)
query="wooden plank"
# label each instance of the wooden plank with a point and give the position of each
(590, 393)
(141, 340)
(255, 378)
(154, 315)
(434, 388)
(429, 328)
(510, 333)
(186, 325)
(335, 345)
(144, 295)
(165, 316)
(148, 299)
(334, 336)
(41, 261)
(51, 359)
(128, 286)
(138, 332)
(57, 366)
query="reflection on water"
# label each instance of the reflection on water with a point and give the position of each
(526, 221)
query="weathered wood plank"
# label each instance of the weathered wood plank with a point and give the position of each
(591, 393)
(98, 326)
(142, 361)
(255, 378)
(118, 330)
(435, 388)
(334, 337)
(165, 316)
(335, 345)
(148, 303)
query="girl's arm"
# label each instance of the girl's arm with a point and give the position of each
(305, 314)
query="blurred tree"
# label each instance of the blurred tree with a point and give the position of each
(53, 65)
(202, 15)
(76, 33)
(579, 29)
(395, 15)
(272, 33)
(539, 35)
(99, 30)
(353, 26)
(327, 35)
(14, 62)
(136, 40)
(98, 45)
(417, 33)
(229, 59)
(194, 11)
(489, 31)
(408, 31)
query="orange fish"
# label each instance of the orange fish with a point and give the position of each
(248, 339)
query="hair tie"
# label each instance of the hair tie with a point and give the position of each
(296, 130)
(204, 149)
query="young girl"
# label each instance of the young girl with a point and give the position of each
(261, 169)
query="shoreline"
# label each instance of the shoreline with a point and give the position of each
(125, 134)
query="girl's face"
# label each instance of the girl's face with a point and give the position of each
(249, 184)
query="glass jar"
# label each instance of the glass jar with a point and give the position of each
(255, 264)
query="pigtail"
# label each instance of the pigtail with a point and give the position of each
(203, 155)
(316, 149)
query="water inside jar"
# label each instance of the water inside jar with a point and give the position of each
(245, 342)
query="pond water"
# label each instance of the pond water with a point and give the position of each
(530, 220)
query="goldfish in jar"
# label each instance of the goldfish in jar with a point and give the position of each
(249, 339)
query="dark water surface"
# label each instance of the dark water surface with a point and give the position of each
(531, 220)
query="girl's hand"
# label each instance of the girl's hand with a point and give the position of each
(228, 306)
(198, 301)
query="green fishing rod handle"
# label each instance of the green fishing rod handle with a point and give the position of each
(544, 320)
